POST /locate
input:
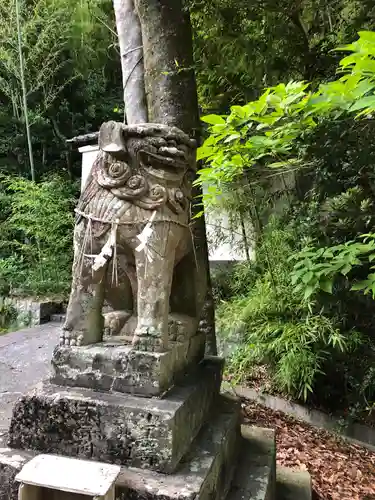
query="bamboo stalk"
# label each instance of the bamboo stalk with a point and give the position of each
(24, 98)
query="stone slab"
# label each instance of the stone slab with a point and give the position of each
(69, 474)
(114, 367)
(116, 428)
(292, 484)
(255, 477)
(202, 475)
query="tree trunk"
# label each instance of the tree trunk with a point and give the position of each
(172, 100)
(130, 41)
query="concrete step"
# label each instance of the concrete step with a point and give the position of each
(293, 484)
(255, 478)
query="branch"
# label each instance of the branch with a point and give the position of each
(57, 131)
(81, 140)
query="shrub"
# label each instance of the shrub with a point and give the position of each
(36, 238)
(278, 328)
(8, 315)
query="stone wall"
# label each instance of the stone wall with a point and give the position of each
(32, 313)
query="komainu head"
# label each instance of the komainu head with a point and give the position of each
(150, 164)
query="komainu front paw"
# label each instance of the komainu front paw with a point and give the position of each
(70, 339)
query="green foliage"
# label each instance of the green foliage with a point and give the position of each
(316, 268)
(242, 47)
(36, 241)
(277, 327)
(8, 315)
(269, 130)
(261, 131)
(73, 80)
(330, 203)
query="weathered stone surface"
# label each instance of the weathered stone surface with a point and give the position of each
(293, 483)
(206, 471)
(115, 367)
(33, 313)
(116, 428)
(11, 462)
(255, 477)
(180, 327)
(132, 235)
(203, 474)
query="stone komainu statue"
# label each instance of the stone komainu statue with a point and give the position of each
(133, 247)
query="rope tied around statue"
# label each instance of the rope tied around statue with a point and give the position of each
(109, 249)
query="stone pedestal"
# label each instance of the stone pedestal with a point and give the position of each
(114, 367)
(117, 428)
(151, 403)
(204, 473)
(160, 413)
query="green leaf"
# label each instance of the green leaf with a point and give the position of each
(359, 285)
(232, 138)
(296, 275)
(346, 269)
(326, 286)
(198, 214)
(367, 36)
(240, 111)
(309, 291)
(364, 103)
(213, 120)
(308, 277)
(205, 152)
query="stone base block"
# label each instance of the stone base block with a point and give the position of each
(11, 462)
(116, 428)
(114, 367)
(292, 484)
(255, 476)
(204, 474)
(180, 327)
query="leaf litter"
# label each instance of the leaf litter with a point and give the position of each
(339, 469)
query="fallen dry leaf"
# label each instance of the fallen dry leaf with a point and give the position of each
(339, 470)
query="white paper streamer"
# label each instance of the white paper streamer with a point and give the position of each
(144, 237)
(107, 251)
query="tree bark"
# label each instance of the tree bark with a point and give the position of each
(130, 41)
(168, 62)
(172, 100)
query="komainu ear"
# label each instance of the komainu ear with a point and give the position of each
(111, 138)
